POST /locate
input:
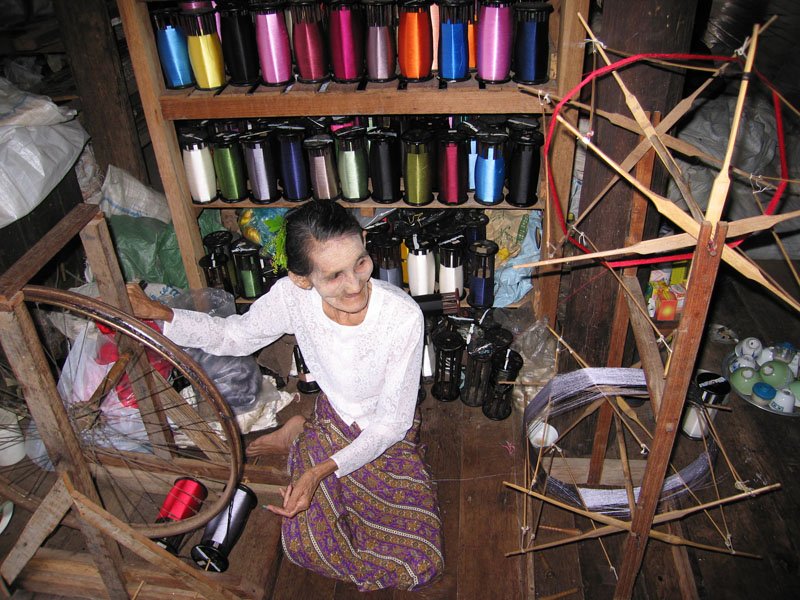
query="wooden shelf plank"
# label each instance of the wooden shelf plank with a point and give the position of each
(365, 204)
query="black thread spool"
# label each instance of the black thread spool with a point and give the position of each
(390, 266)
(453, 159)
(215, 267)
(222, 532)
(269, 273)
(481, 280)
(239, 46)
(374, 232)
(248, 270)
(478, 368)
(306, 384)
(499, 338)
(219, 242)
(262, 170)
(447, 373)
(384, 165)
(505, 368)
(523, 170)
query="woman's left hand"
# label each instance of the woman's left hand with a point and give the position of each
(297, 496)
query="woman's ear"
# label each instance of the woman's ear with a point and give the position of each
(300, 281)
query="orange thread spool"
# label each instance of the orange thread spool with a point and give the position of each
(415, 41)
(473, 46)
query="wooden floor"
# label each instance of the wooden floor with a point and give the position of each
(471, 456)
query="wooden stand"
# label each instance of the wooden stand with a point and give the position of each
(103, 571)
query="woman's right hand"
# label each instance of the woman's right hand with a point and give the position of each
(146, 308)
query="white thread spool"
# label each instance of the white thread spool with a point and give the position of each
(421, 267)
(199, 166)
(451, 269)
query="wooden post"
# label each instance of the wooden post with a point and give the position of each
(690, 330)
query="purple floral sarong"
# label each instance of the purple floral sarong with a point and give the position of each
(377, 527)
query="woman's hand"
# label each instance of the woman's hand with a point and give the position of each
(144, 307)
(297, 496)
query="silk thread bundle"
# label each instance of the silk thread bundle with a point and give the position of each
(494, 41)
(272, 38)
(173, 51)
(261, 168)
(205, 51)
(415, 41)
(351, 144)
(523, 169)
(309, 46)
(490, 168)
(239, 47)
(453, 168)
(421, 266)
(454, 40)
(381, 53)
(294, 172)
(199, 167)
(532, 42)
(346, 39)
(418, 167)
(230, 169)
(322, 171)
(384, 165)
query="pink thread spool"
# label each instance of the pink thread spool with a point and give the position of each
(272, 37)
(346, 40)
(494, 41)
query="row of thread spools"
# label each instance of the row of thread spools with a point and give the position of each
(348, 40)
(439, 269)
(414, 160)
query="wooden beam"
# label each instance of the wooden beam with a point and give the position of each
(690, 330)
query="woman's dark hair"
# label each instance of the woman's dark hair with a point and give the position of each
(315, 221)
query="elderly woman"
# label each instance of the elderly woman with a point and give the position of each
(361, 506)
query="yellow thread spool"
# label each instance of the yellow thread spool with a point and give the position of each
(205, 52)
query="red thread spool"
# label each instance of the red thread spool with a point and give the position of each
(183, 500)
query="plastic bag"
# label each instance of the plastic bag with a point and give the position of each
(123, 194)
(510, 284)
(212, 301)
(237, 378)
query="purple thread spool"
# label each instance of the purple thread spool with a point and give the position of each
(381, 46)
(346, 40)
(272, 37)
(494, 41)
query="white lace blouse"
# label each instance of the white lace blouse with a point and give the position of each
(370, 372)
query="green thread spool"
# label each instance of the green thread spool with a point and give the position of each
(230, 168)
(248, 269)
(418, 167)
(351, 143)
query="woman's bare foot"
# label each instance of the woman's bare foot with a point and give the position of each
(277, 442)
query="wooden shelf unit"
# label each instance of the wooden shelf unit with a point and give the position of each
(162, 107)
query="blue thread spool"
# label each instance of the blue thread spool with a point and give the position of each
(532, 42)
(523, 171)
(454, 19)
(481, 280)
(173, 52)
(294, 172)
(490, 168)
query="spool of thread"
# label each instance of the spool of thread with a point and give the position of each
(294, 172)
(481, 281)
(384, 165)
(505, 367)
(470, 130)
(261, 168)
(219, 242)
(239, 47)
(352, 163)
(415, 40)
(230, 169)
(455, 16)
(523, 170)
(342, 122)
(306, 384)
(494, 36)
(311, 59)
(490, 168)
(421, 265)
(709, 389)
(475, 228)
(272, 39)
(381, 52)
(435, 18)
(472, 41)
(199, 166)
(478, 368)
(346, 40)
(215, 267)
(183, 501)
(387, 251)
(419, 167)
(532, 42)
(173, 50)
(324, 184)
(222, 532)
(451, 266)
(449, 346)
(437, 305)
(205, 51)
(453, 157)
(248, 269)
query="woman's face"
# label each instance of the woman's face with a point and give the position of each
(342, 269)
